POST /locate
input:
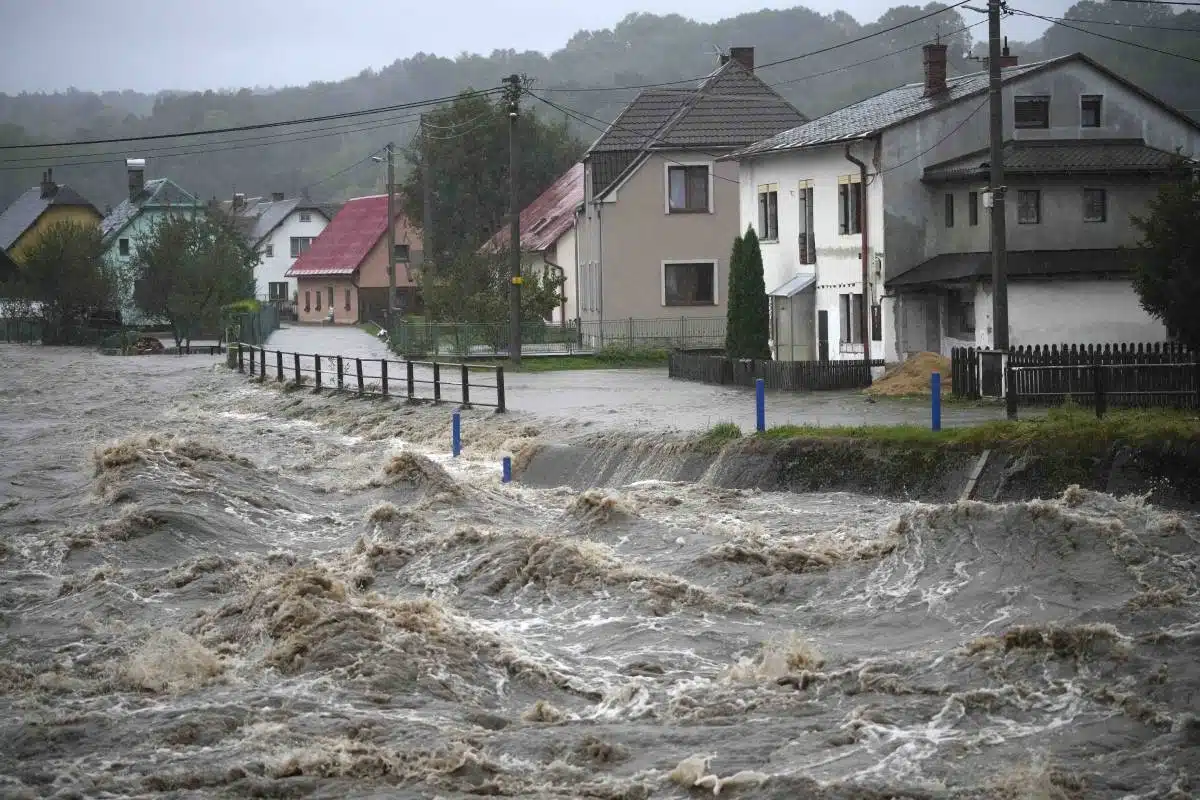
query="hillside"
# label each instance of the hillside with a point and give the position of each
(641, 49)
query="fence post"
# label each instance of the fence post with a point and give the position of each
(500, 407)
(1196, 375)
(412, 388)
(279, 365)
(262, 364)
(1098, 385)
(1010, 390)
(251, 361)
(455, 433)
(341, 379)
(506, 470)
(383, 375)
(241, 359)
(466, 387)
(437, 382)
(935, 385)
(358, 368)
(317, 372)
(760, 405)
(296, 365)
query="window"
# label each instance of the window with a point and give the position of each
(347, 299)
(768, 212)
(1095, 205)
(851, 318)
(972, 208)
(690, 284)
(300, 245)
(808, 241)
(687, 189)
(305, 216)
(331, 298)
(1089, 110)
(307, 300)
(876, 323)
(318, 306)
(960, 314)
(277, 290)
(270, 252)
(949, 209)
(123, 246)
(401, 253)
(1031, 112)
(1029, 206)
(849, 207)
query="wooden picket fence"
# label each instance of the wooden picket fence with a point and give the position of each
(1159, 374)
(779, 375)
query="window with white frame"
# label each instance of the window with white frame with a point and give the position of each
(849, 205)
(305, 216)
(768, 212)
(123, 246)
(688, 188)
(277, 290)
(851, 314)
(269, 251)
(300, 245)
(1029, 207)
(808, 239)
(689, 283)
(1095, 205)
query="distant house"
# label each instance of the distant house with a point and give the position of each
(1084, 149)
(8, 267)
(28, 217)
(149, 203)
(548, 240)
(345, 269)
(280, 230)
(660, 211)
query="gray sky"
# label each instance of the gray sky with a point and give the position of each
(147, 45)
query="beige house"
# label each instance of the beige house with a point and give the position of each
(660, 211)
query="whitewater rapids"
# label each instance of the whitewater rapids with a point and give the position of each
(211, 588)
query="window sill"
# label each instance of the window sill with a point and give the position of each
(768, 241)
(688, 211)
(689, 305)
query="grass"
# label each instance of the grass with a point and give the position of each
(608, 358)
(371, 328)
(718, 436)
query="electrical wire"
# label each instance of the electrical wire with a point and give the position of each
(258, 126)
(953, 131)
(342, 171)
(1124, 24)
(1060, 23)
(1159, 2)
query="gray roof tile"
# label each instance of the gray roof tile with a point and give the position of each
(157, 193)
(1059, 156)
(259, 217)
(1021, 264)
(25, 210)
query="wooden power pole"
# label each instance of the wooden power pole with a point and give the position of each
(391, 232)
(996, 185)
(513, 96)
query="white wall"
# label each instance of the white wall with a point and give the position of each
(839, 258)
(1076, 312)
(272, 269)
(563, 254)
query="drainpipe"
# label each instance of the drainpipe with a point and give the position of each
(866, 259)
(600, 270)
(562, 289)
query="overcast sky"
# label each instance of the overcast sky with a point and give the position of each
(148, 45)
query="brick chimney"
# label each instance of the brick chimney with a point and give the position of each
(744, 56)
(239, 200)
(935, 69)
(1007, 59)
(49, 187)
(135, 170)
(276, 197)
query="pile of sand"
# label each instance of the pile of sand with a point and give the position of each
(912, 377)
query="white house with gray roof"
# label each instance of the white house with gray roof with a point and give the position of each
(660, 210)
(1084, 149)
(280, 229)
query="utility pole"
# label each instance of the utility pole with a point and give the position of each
(997, 188)
(391, 232)
(513, 97)
(426, 199)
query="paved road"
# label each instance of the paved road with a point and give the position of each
(637, 399)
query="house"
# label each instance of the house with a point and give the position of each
(8, 268)
(280, 230)
(148, 203)
(904, 266)
(660, 210)
(345, 269)
(548, 237)
(28, 217)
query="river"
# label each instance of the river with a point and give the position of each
(212, 588)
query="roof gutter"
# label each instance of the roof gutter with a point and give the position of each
(865, 313)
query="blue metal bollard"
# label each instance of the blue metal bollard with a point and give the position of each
(506, 476)
(935, 380)
(760, 405)
(456, 435)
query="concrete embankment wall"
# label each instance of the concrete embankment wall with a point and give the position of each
(1168, 472)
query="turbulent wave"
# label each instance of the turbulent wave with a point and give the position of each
(252, 592)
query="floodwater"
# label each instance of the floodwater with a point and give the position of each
(212, 588)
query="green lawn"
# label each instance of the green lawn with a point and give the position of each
(371, 328)
(609, 358)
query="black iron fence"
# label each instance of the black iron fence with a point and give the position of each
(782, 375)
(414, 381)
(1161, 374)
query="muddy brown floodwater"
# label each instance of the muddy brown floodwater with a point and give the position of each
(210, 588)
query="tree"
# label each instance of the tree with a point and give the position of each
(190, 265)
(465, 148)
(1167, 263)
(65, 274)
(474, 288)
(748, 327)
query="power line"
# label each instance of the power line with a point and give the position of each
(787, 60)
(258, 126)
(342, 171)
(1105, 36)
(1124, 24)
(955, 130)
(1159, 2)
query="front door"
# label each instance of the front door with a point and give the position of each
(823, 334)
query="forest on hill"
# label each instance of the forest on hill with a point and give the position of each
(330, 161)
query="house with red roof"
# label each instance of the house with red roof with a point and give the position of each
(548, 236)
(344, 272)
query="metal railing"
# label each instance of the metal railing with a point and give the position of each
(417, 381)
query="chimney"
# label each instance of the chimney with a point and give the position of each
(1006, 59)
(276, 197)
(935, 69)
(49, 187)
(744, 56)
(239, 200)
(135, 168)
